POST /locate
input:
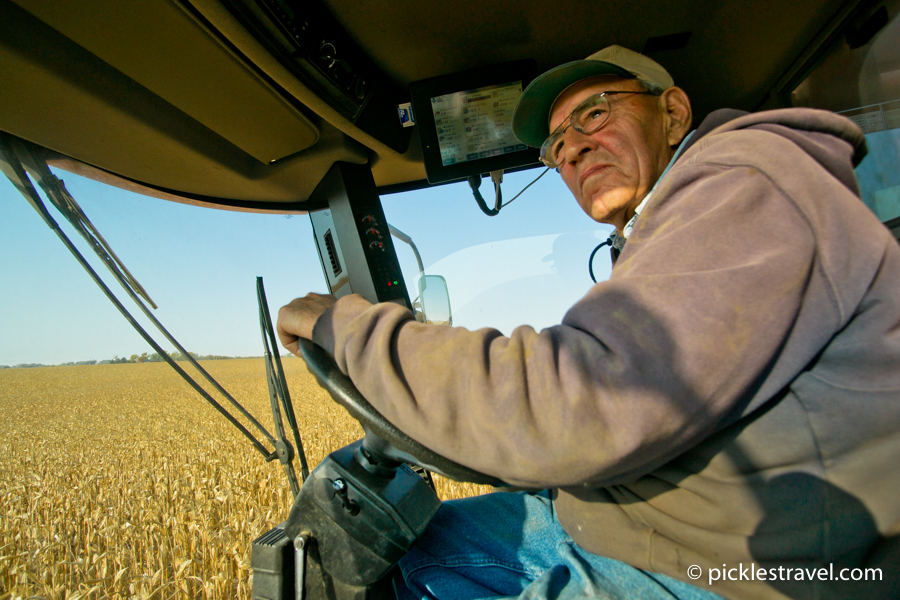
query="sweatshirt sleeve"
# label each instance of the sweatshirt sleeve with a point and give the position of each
(647, 364)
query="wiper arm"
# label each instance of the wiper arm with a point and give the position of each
(278, 391)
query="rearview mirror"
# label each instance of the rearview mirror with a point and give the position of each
(434, 299)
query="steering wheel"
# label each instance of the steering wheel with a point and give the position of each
(396, 444)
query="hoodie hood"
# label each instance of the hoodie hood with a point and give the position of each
(817, 132)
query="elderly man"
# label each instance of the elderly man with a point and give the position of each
(721, 417)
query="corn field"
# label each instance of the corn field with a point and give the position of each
(119, 481)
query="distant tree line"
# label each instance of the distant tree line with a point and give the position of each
(134, 358)
(155, 357)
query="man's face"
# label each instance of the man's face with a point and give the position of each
(611, 170)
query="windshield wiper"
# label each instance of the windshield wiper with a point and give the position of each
(15, 156)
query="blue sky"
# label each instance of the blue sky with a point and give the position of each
(200, 265)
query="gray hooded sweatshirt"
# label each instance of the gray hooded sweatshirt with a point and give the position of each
(729, 397)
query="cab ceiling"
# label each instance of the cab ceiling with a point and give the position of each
(735, 53)
(174, 95)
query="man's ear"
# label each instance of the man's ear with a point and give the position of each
(676, 107)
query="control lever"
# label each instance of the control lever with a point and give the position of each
(340, 490)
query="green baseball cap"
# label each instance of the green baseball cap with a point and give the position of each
(531, 118)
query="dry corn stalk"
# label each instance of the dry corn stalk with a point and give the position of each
(118, 481)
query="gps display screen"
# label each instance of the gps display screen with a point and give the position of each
(476, 123)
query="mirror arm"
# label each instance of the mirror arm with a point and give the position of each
(405, 238)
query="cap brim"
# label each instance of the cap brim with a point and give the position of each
(531, 115)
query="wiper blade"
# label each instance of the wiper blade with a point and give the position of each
(278, 394)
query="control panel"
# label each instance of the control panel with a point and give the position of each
(353, 237)
(313, 38)
(377, 243)
(305, 37)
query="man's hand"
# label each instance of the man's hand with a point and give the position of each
(296, 320)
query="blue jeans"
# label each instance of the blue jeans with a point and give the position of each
(510, 545)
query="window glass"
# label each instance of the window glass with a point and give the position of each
(199, 265)
(863, 84)
(526, 266)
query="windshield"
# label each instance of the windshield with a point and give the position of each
(199, 266)
(110, 464)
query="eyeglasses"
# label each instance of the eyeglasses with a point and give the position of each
(587, 118)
